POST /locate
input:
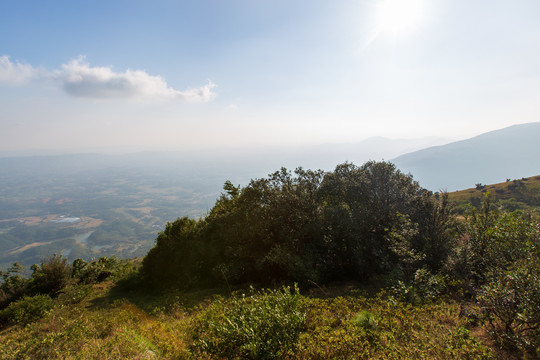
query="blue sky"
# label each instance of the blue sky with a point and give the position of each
(153, 74)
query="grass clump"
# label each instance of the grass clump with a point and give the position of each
(366, 320)
(261, 325)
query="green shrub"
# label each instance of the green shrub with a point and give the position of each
(365, 319)
(96, 271)
(26, 310)
(74, 294)
(13, 285)
(424, 288)
(52, 275)
(511, 300)
(261, 325)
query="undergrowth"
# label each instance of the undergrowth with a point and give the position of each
(86, 322)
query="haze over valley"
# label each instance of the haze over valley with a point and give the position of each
(91, 205)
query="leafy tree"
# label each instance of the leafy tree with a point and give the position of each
(176, 257)
(264, 228)
(511, 300)
(13, 286)
(366, 209)
(497, 257)
(97, 270)
(51, 276)
(305, 226)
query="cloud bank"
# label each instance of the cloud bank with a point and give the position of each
(77, 78)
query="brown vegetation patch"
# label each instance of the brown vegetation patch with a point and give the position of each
(63, 201)
(88, 223)
(145, 210)
(32, 220)
(29, 246)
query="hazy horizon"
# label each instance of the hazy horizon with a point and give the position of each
(394, 146)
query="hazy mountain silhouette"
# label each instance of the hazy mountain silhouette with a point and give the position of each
(512, 152)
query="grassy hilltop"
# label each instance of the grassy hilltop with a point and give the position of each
(516, 194)
(100, 321)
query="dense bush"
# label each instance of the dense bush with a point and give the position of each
(177, 255)
(99, 270)
(259, 325)
(13, 285)
(26, 309)
(424, 288)
(54, 275)
(511, 300)
(310, 226)
(51, 276)
(497, 261)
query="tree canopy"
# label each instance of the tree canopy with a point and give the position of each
(348, 224)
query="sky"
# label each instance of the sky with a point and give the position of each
(83, 74)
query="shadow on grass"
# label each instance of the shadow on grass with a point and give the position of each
(131, 289)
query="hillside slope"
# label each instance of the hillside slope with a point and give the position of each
(517, 194)
(512, 152)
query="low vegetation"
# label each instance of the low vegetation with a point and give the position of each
(511, 195)
(385, 270)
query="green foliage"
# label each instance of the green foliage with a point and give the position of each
(13, 286)
(260, 325)
(99, 270)
(519, 194)
(308, 226)
(74, 294)
(267, 231)
(51, 276)
(511, 300)
(26, 309)
(497, 260)
(366, 320)
(117, 331)
(177, 257)
(379, 328)
(424, 288)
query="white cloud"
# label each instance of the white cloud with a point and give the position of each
(17, 73)
(79, 79)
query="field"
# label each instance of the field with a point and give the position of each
(92, 213)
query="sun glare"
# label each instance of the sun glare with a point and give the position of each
(399, 17)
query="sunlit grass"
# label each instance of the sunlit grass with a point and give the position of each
(102, 326)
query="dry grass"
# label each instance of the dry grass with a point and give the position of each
(109, 325)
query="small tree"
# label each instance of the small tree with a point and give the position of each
(51, 276)
(13, 285)
(511, 300)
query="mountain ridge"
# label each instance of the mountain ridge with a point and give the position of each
(492, 157)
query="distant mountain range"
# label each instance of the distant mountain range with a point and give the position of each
(493, 157)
